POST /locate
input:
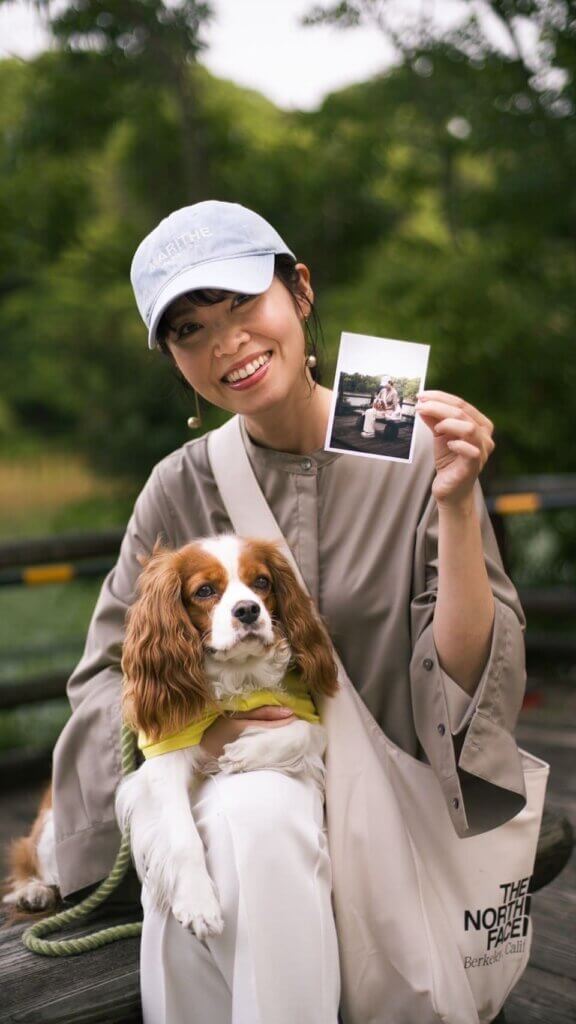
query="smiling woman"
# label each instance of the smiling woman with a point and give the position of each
(203, 330)
(403, 566)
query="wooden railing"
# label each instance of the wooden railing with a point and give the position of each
(64, 558)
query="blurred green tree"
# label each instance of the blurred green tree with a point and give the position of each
(147, 46)
(477, 140)
(435, 202)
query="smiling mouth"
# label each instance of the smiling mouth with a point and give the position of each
(253, 369)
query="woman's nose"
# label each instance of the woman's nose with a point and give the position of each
(229, 339)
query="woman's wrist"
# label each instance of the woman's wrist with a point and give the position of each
(461, 509)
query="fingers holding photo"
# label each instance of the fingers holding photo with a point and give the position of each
(465, 431)
(453, 418)
(463, 443)
(438, 404)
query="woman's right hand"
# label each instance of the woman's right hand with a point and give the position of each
(228, 728)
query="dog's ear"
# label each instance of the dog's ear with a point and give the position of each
(304, 630)
(162, 659)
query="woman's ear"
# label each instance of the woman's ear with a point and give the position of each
(164, 683)
(305, 290)
(304, 630)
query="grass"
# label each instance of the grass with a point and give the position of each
(43, 628)
(36, 725)
(50, 493)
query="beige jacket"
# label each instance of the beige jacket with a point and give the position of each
(365, 537)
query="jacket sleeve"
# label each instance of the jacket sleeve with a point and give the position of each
(469, 741)
(87, 757)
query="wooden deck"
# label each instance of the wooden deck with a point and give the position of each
(102, 987)
(347, 437)
(546, 993)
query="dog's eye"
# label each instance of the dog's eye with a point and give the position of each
(261, 583)
(206, 590)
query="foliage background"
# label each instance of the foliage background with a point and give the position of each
(435, 202)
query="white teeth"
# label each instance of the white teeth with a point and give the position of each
(248, 370)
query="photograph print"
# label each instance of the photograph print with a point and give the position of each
(374, 397)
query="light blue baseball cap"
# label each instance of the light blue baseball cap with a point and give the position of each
(211, 244)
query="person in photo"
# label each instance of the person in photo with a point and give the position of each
(386, 406)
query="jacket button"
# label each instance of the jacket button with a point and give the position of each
(441, 728)
(455, 803)
(428, 664)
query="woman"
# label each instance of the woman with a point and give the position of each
(385, 406)
(437, 656)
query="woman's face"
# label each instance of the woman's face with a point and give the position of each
(245, 354)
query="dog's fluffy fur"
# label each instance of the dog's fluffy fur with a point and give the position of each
(217, 618)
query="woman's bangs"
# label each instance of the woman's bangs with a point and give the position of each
(208, 296)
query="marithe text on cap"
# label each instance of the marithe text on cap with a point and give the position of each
(179, 244)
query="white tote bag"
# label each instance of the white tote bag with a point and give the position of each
(431, 928)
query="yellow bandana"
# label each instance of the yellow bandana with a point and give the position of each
(296, 697)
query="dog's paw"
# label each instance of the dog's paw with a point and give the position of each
(196, 907)
(244, 755)
(233, 759)
(229, 764)
(33, 897)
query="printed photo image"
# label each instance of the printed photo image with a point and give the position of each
(374, 397)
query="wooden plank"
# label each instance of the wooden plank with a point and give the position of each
(542, 998)
(346, 435)
(109, 1001)
(547, 992)
(544, 483)
(48, 686)
(27, 765)
(100, 987)
(553, 916)
(59, 548)
(547, 737)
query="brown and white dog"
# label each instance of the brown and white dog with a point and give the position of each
(215, 619)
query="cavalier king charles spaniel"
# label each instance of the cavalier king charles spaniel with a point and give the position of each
(218, 625)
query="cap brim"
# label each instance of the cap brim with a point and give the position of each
(249, 274)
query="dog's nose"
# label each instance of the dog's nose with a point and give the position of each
(246, 611)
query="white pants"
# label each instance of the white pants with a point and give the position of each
(370, 417)
(276, 962)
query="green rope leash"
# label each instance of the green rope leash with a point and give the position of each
(32, 937)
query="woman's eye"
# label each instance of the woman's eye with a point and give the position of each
(240, 300)
(206, 590)
(261, 583)
(185, 329)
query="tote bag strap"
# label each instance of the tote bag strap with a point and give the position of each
(243, 499)
(249, 512)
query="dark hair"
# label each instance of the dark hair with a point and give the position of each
(285, 271)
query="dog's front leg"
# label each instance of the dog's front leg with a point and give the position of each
(294, 747)
(168, 852)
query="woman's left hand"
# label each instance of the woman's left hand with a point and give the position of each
(462, 445)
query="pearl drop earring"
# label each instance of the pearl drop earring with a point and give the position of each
(194, 422)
